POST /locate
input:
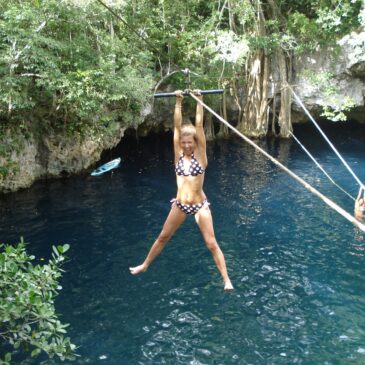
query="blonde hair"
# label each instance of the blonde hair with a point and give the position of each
(188, 130)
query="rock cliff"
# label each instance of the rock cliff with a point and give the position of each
(332, 80)
(51, 155)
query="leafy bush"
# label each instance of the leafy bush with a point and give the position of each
(27, 314)
(67, 66)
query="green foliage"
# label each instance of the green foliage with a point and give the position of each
(8, 167)
(226, 46)
(322, 22)
(334, 109)
(338, 18)
(68, 65)
(27, 312)
(338, 112)
(321, 80)
(304, 29)
(73, 65)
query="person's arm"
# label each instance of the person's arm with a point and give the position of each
(177, 123)
(360, 191)
(357, 201)
(199, 126)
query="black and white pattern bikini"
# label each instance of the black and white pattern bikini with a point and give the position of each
(195, 169)
(190, 208)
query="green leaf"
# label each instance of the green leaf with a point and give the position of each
(35, 352)
(55, 250)
(66, 247)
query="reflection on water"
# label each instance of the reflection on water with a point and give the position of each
(297, 265)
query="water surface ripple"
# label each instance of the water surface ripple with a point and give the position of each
(297, 266)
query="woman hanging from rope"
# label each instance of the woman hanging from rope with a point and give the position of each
(360, 203)
(190, 164)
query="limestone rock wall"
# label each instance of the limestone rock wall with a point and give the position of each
(52, 155)
(333, 78)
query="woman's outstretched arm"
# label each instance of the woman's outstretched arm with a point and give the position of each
(199, 125)
(360, 193)
(177, 123)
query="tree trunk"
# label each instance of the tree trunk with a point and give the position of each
(209, 127)
(285, 73)
(232, 23)
(273, 121)
(223, 129)
(254, 122)
(235, 91)
(285, 97)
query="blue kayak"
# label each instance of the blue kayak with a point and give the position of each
(106, 167)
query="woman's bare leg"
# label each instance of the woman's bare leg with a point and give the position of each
(172, 223)
(205, 222)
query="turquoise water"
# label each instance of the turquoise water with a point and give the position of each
(297, 266)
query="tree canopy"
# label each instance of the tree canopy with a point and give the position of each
(74, 64)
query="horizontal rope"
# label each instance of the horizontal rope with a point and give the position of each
(328, 201)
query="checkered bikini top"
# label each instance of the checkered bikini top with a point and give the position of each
(195, 168)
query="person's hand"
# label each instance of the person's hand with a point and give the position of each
(179, 94)
(198, 93)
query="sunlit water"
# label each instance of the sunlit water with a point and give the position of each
(297, 266)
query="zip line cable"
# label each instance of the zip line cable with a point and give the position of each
(326, 138)
(320, 167)
(129, 27)
(329, 202)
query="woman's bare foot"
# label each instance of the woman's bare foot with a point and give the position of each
(228, 285)
(137, 269)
